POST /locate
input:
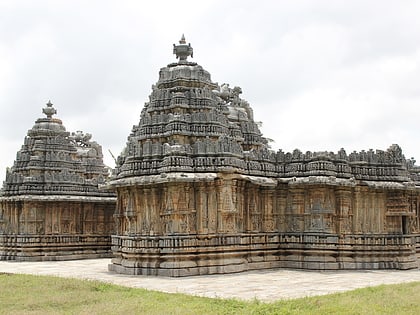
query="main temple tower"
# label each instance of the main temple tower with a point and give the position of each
(188, 175)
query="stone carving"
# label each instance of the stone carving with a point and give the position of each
(199, 191)
(222, 201)
(51, 197)
(183, 51)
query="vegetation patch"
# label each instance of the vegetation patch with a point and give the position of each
(28, 294)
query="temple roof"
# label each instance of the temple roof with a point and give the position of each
(193, 125)
(53, 161)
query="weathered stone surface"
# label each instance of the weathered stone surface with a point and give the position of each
(200, 192)
(50, 204)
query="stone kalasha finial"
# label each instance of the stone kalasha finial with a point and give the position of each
(49, 110)
(182, 51)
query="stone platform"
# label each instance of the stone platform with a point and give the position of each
(265, 285)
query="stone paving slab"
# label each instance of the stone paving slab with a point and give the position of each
(264, 285)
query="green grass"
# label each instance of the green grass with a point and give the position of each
(27, 294)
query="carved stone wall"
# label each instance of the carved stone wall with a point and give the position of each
(232, 225)
(55, 230)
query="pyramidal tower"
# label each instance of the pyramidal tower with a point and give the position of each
(50, 204)
(200, 192)
(185, 168)
(192, 127)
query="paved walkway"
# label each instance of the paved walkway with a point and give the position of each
(265, 285)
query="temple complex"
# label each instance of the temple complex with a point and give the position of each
(199, 191)
(50, 204)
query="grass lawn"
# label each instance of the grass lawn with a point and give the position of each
(27, 294)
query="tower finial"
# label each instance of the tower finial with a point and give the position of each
(49, 110)
(183, 51)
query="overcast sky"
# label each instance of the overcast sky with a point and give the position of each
(320, 75)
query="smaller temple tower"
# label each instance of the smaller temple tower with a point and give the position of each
(50, 204)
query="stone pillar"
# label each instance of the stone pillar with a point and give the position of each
(344, 210)
(414, 212)
(201, 207)
(240, 204)
(254, 210)
(280, 208)
(154, 206)
(141, 203)
(118, 215)
(358, 209)
(212, 207)
(267, 202)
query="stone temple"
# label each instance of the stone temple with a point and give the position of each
(50, 204)
(200, 192)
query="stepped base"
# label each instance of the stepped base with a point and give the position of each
(179, 256)
(54, 247)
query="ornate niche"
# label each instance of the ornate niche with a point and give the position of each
(253, 208)
(227, 206)
(295, 209)
(178, 211)
(398, 212)
(344, 214)
(269, 218)
(320, 209)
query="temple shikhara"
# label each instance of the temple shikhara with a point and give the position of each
(199, 191)
(50, 204)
